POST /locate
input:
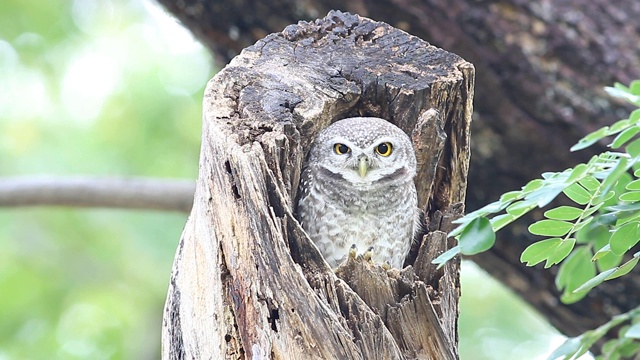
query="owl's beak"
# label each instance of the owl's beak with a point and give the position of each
(363, 166)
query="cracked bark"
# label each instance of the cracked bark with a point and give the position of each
(247, 282)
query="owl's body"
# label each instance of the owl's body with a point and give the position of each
(357, 189)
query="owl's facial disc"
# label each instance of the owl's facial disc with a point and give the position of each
(378, 161)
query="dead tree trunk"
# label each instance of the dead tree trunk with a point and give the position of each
(247, 282)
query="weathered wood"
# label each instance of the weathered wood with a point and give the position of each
(247, 282)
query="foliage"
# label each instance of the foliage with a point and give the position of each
(96, 88)
(590, 241)
(625, 346)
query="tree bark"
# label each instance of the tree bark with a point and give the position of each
(541, 68)
(247, 282)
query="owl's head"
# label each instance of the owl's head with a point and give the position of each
(364, 151)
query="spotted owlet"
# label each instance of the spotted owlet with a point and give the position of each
(357, 190)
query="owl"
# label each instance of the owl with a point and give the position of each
(357, 191)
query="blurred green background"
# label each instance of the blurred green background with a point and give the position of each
(114, 88)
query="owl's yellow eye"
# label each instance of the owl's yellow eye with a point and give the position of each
(384, 149)
(341, 149)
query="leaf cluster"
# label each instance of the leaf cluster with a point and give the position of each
(591, 239)
(627, 345)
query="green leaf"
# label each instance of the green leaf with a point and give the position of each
(623, 269)
(634, 117)
(520, 208)
(620, 348)
(620, 93)
(618, 188)
(561, 252)
(623, 329)
(563, 213)
(624, 238)
(580, 224)
(539, 251)
(608, 348)
(553, 177)
(510, 196)
(477, 237)
(619, 125)
(552, 250)
(568, 297)
(634, 87)
(532, 185)
(632, 217)
(550, 227)
(628, 349)
(607, 219)
(630, 196)
(573, 272)
(457, 231)
(591, 139)
(578, 172)
(634, 148)
(569, 348)
(614, 175)
(596, 233)
(595, 281)
(592, 209)
(617, 87)
(578, 194)
(546, 194)
(590, 183)
(633, 332)
(634, 185)
(500, 221)
(601, 252)
(446, 256)
(606, 260)
(624, 136)
(491, 208)
(609, 199)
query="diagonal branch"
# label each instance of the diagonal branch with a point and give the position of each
(88, 191)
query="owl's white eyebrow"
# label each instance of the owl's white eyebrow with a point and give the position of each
(341, 140)
(383, 139)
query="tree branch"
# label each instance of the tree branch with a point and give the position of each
(86, 191)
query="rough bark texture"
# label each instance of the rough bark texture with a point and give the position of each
(247, 282)
(541, 67)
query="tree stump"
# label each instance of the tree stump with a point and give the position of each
(247, 282)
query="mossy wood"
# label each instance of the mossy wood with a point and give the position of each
(247, 283)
